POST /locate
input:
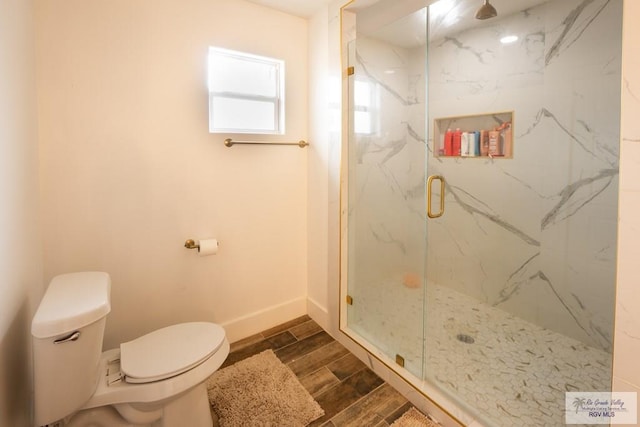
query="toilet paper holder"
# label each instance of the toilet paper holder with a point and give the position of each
(191, 244)
(205, 247)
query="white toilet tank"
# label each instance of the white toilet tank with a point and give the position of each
(67, 332)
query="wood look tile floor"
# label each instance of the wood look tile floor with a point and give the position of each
(348, 391)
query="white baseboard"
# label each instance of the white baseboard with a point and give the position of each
(250, 324)
(319, 314)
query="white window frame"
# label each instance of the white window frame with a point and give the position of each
(372, 109)
(277, 100)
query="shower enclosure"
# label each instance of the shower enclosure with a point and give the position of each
(489, 276)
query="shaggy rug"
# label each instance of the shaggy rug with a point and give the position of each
(260, 391)
(413, 418)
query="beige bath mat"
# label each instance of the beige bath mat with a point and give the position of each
(260, 391)
(413, 418)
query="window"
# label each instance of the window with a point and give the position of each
(365, 102)
(246, 93)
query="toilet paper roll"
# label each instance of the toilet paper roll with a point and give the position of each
(208, 247)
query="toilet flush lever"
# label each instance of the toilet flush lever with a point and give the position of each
(73, 337)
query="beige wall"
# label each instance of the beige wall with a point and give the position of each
(317, 186)
(129, 170)
(626, 371)
(20, 256)
(324, 165)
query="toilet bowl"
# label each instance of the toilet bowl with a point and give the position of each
(155, 380)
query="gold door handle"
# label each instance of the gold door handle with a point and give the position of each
(429, 182)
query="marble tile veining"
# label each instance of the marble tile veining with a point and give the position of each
(523, 261)
(513, 370)
(538, 227)
(522, 370)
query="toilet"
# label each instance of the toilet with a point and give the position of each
(157, 380)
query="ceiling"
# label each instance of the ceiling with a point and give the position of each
(301, 8)
(306, 8)
(404, 23)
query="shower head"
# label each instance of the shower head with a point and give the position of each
(486, 11)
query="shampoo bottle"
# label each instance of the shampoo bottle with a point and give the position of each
(457, 142)
(465, 145)
(494, 143)
(484, 143)
(508, 141)
(448, 143)
(476, 144)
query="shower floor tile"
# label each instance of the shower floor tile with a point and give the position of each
(512, 373)
(514, 370)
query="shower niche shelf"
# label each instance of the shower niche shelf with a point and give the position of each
(501, 147)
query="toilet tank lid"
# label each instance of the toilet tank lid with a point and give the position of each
(71, 302)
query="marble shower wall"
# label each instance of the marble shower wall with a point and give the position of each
(534, 235)
(386, 176)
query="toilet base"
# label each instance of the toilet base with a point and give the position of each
(105, 416)
(191, 408)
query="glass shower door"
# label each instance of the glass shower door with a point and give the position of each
(521, 267)
(386, 194)
(505, 302)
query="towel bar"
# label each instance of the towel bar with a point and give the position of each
(229, 143)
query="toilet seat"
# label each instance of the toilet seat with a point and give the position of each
(112, 390)
(169, 351)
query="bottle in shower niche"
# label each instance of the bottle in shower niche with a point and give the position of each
(465, 144)
(448, 143)
(507, 135)
(475, 151)
(484, 143)
(457, 142)
(494, 143)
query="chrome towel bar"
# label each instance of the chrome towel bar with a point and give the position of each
(230, 143)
